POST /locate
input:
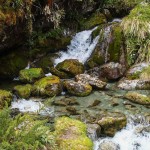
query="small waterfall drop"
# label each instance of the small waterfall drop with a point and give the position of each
(80, 48)
(136, 136)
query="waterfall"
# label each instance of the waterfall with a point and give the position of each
(80, 48)
(135, 136)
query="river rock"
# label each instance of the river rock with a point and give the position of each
(111, 71)
(108, 145)
(93, 81)
(23, 91)
(111, 122)
(5, 97)
(58, 73)
(76, 88)
(94, 131)
(70, 66)
(47, 86)
(137, 84)
(71, 134)
(30, 75)
(138, 98)
(137, 71)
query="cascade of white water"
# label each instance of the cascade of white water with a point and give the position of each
(80, 48)
(136, 136)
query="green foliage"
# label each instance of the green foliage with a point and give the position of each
(24, 133)
(121, 4)
(137, 31)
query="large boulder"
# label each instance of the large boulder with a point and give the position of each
(138, 98)
(111, 71)
(76, 88)
(5, 97)
(93, 81)
(71, 134)
(30, 75)
(47, 86)
(23, 91)
(71, 66)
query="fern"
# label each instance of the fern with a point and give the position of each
(24, 132)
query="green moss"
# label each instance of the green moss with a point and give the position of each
(5, 97)
(138, 98)
(116, 44)
(30, 75)
(71, 134)
(23, 91)
(96, 59)
(95, 19)
(121, 4)
(58, 73)
(47, 86)
(71, 66)
(145, 74)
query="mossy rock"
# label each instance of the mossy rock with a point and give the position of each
(12, 63)
(139, 71)
(71, 66)
(30, 75)
(138, 98)
(5, 97)
(116, 45)
(71, 134)
(78, 89)
(23, 91)
(95, 19)
(58, 73)
(111, 122)
(45, 63)
(47, 86)
(96, 58)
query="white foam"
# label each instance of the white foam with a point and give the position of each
(80, 48)
(133, 137)
(27, 105)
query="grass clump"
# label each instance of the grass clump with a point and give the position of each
(136, 28)
(24, 133)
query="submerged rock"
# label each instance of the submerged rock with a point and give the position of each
(111, 122)
(31, 75)
(5, 97)
(71, 135)
(78, 89)
(138, 98)
(93, 81)
(23, 91)
(70, 66)
(47, 86)
(108, 145)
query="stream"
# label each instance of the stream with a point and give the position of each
(135, 136)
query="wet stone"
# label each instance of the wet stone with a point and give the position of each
(94, 131)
